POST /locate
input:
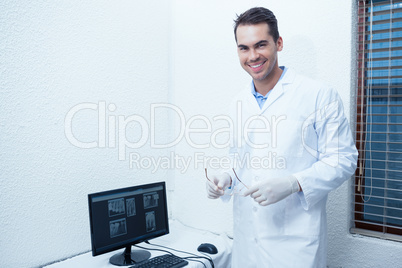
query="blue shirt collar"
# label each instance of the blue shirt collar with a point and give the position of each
(259, 95)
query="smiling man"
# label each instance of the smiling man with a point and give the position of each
(258, 54)
(280, 212)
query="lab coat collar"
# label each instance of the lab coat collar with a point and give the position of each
(289, 76)
(277, 91)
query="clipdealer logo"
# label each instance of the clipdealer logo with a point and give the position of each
(112, 133)
(238, 131)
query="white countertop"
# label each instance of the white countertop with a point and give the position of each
(180, 238)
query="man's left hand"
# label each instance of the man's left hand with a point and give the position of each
(272, 190)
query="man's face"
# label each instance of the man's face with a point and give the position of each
(258, 53)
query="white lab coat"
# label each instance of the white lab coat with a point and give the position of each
(308, 137)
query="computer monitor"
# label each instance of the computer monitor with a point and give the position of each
(123, 217)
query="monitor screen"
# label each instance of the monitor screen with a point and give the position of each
(123, 217)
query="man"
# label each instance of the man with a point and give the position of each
(298, 127)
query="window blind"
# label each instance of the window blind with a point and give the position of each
(378, 179)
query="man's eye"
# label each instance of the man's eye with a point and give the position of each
(261, 45)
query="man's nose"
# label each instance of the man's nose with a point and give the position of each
(253, 55)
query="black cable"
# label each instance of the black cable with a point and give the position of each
(185, 252)
(189, 258)
(208, 258)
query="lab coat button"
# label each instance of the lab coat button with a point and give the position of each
(255, 209)
(256, 240)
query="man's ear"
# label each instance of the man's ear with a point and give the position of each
(279, 44)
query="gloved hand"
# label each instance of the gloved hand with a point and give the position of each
(217, 185)
(272, 190)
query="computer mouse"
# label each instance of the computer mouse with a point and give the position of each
(207, 248)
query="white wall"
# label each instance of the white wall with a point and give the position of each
(55, 55)
(318, 42)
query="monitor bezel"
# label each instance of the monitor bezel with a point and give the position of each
(135, 240)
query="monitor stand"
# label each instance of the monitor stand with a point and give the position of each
(129, 257)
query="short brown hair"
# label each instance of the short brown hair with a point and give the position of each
(258, 15)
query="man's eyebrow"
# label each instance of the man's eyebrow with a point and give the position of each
(261, 42)
(256, 44)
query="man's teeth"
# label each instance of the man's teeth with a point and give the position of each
(256, 66)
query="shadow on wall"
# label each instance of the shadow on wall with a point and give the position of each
(299, 53)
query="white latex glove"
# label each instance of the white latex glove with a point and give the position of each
(216, 187)
(272, 190)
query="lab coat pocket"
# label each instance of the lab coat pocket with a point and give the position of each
(270, 220)
(300, 222)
